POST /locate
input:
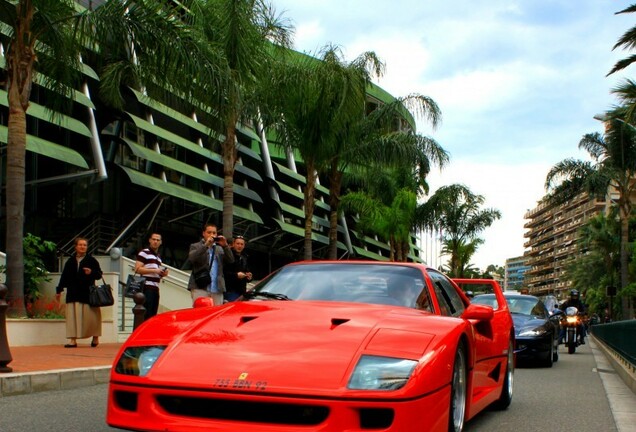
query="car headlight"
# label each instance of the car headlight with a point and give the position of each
(538, 331)
(138, 360)
(381, 373)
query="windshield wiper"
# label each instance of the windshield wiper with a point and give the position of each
(275, 296)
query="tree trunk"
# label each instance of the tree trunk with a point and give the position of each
(335, 185)
(309, 193)
(406, 248)
(20, 58)
(625, 303)
(16, 154)
(230, 155)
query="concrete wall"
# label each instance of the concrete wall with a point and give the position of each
(29, 332)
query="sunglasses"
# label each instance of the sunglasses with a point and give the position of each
(239, 237)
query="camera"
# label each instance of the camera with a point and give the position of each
(217, 238)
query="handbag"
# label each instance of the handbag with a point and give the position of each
(100, 295)
(202, 278)
(134, 285)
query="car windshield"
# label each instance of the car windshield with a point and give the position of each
(361, 283)
(486, 299)
(525, 305)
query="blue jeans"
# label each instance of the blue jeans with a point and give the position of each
(231, 295)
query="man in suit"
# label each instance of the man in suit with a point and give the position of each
(208, 257)
(237, 274)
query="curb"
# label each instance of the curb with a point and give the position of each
(622, 368)
(13, 384)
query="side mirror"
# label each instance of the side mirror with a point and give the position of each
(478, 312)
(203, 302)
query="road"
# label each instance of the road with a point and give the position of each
(567, 397)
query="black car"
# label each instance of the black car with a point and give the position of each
(536, 334)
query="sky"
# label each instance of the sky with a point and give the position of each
(518, 83)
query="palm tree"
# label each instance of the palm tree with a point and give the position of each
(597, 259)
(247, 32)
(612, 171)
(628, 40)
(392, 222)
(49, 38)
(370, 141)
(317, 100)
(460, 253)
(457, 214)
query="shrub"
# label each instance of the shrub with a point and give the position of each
(35, 252)
(46, 308)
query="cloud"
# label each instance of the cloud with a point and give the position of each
(518, 83)
(512, 189)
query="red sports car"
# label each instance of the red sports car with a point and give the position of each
(320, 346)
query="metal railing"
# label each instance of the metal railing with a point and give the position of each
(619, 336)
(173, 288)
(99, 231)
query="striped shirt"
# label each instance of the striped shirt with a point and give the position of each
(150, 260)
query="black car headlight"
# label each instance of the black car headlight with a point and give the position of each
(534, 332)
(138, 360)
(381, 373)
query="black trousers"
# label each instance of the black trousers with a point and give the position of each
(152, 302)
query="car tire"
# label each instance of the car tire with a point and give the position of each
(555, 353)
(459, 389)
(549, 359)
(508, 385)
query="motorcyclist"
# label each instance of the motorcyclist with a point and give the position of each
(574, 301)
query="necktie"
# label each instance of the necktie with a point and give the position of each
(214, 271)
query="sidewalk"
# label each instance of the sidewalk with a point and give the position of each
(621, 398)
(53, 367)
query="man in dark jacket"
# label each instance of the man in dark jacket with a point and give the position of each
(208, 257)
(237, 274)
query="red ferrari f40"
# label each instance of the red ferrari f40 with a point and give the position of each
(320, 346)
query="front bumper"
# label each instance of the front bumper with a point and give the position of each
(533, 348)
(167, 409)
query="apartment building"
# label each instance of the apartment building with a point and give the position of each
(551, 238)
(514, 273)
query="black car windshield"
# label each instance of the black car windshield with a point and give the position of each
(360, 282)
(518, 304)
(526, 305)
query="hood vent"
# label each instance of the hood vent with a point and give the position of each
(335, 322)
(246, 319)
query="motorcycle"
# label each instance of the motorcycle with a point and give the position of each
(571, 322)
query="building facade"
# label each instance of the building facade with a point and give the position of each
(113, 176)
(514, 273)
(551, 242)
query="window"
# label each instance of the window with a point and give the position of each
(449, 300)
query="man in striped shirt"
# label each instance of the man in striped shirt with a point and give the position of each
(149, 265)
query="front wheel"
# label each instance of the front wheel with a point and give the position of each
(571, 341)
(459, 388)
(549, 359)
